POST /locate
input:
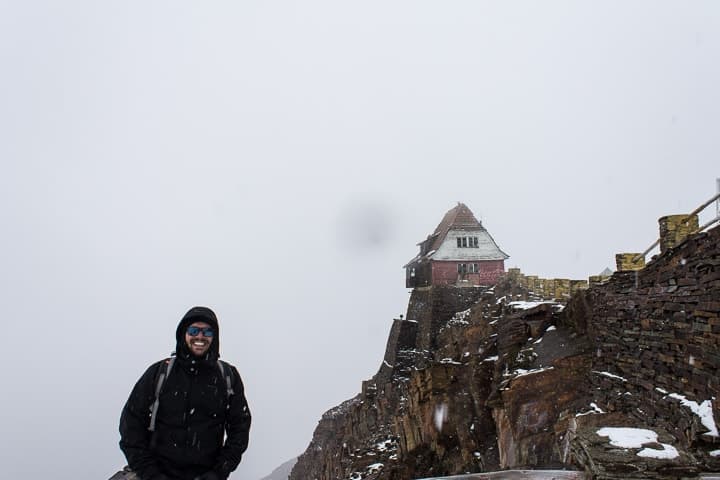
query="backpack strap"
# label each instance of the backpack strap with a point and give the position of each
(226, 372)
(165, 370)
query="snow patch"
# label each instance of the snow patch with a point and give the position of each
(625, 437)
(703, 410)
(520, 372)
(450, 361)
(375, 467)
(522, 305)
(595, 409)
(384, 445)
(610, 375)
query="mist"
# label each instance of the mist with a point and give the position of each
(279, 162)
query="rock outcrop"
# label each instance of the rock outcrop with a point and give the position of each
(282, 472)
(484, 379)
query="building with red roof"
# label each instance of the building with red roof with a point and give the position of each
(459, 252)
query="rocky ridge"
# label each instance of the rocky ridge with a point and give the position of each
(485, 379)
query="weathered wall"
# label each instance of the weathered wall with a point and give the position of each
(658, 330)
(418, 274)
(489, 272)
(400, 351)
(434, 306)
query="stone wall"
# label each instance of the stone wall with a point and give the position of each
(547, 288)
(656, 332)
(434, 306)
(399, 352)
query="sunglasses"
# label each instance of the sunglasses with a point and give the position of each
(195, 331)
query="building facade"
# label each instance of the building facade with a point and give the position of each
(459, 252)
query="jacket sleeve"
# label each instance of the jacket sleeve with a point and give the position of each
(134, 422)
(237, 429)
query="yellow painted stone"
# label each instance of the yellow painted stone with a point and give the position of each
(625, 262)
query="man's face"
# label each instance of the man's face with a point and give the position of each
(199, 343)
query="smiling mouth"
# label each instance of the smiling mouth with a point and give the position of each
(199, 344)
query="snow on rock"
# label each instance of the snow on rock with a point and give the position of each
(461, 315)
(374, 468)
(703, 410)
(521, 372)
(522, 305)
(610, 375)
(626, 437)
(668, 452)
(595, 409)
(450, 361)
(384, 445)
(715, 453)
(460, 318)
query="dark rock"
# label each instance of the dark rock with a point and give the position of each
(469, 384)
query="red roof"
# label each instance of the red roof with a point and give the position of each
(457, 217)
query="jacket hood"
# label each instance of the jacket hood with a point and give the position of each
(198, 314)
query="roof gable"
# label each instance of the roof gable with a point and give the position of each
(459, 218)
(485, 247)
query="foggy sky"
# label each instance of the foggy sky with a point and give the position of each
(279, 161)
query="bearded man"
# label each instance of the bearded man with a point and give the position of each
(187, 417)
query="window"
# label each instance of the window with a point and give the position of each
(468, 268)
(465, 242)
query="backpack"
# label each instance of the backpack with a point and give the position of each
(164, 373)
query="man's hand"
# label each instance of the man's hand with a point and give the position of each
(208, 476)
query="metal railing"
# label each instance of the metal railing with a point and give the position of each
(686, 220)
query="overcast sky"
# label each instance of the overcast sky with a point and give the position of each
(278, 161)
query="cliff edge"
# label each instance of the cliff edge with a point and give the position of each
(620, 381)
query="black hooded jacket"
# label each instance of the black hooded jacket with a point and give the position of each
(194, 414)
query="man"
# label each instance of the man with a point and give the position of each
(201, 420)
